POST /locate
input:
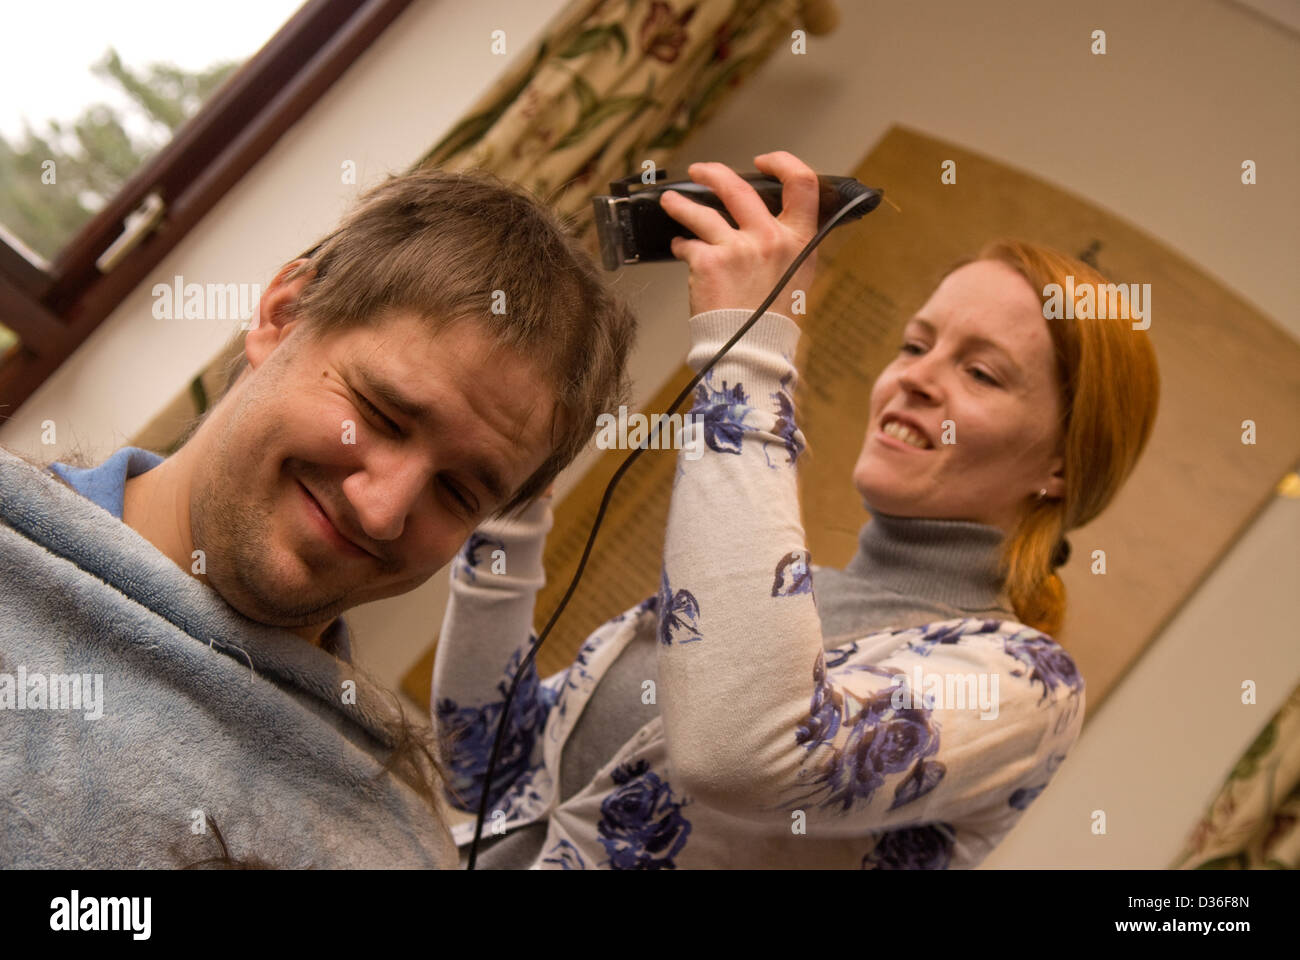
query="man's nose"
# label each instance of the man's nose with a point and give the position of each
(386, 493)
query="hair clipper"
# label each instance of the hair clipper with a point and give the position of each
(634, 228)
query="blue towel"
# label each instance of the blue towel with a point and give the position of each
(191, 722)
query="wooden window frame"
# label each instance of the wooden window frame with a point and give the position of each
(54, 310)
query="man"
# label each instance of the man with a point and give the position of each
(434, 362)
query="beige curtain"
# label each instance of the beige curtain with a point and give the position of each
(1254, 822)
(609, 85)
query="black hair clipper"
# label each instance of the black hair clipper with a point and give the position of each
(634, 228)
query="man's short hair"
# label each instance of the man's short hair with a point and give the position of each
(452, 247)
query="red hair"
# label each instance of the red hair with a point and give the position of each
(1110, 387)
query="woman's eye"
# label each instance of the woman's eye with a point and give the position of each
(916, 348)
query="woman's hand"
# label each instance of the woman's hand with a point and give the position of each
(733, 268)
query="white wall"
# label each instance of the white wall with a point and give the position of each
(1155, 131)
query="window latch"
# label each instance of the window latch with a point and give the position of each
(139, 224)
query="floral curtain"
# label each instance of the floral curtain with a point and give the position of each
(1254, 822)
(613, 84)
(609, 85)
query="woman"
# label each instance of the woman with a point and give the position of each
(900, 713)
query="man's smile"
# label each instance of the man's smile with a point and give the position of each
(325, 527)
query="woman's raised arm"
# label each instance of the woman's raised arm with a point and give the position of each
(758, 723)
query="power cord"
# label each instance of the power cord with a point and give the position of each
(604, 504)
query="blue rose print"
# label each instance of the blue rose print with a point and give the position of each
(792, 575)
(824, 714)
(577, 673)
(721, 414)
(641, 826)
(470, 732)
(677, 611)
(565, 856)
(1023, 797)
(469, 554)
(827, 710)
(927, 847)
(883, 740)
(1049, 664)
(946, 632)
(841, 655)
(785, 429)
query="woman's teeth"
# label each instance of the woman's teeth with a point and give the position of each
(908, 436)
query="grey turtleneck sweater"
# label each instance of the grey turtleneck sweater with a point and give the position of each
(907, 571)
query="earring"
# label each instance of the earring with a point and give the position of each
(1042, 493)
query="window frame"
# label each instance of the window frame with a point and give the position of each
(54, 309)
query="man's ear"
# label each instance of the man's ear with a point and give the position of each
(275, 313)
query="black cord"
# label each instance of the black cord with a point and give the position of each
(604, 504)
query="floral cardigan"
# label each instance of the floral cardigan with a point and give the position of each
(769, 750)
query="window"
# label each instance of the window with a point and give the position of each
(81, 203)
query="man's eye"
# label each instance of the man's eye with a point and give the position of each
(375, 411)
(460, 499)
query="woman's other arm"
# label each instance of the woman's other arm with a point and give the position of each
(486, 631)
